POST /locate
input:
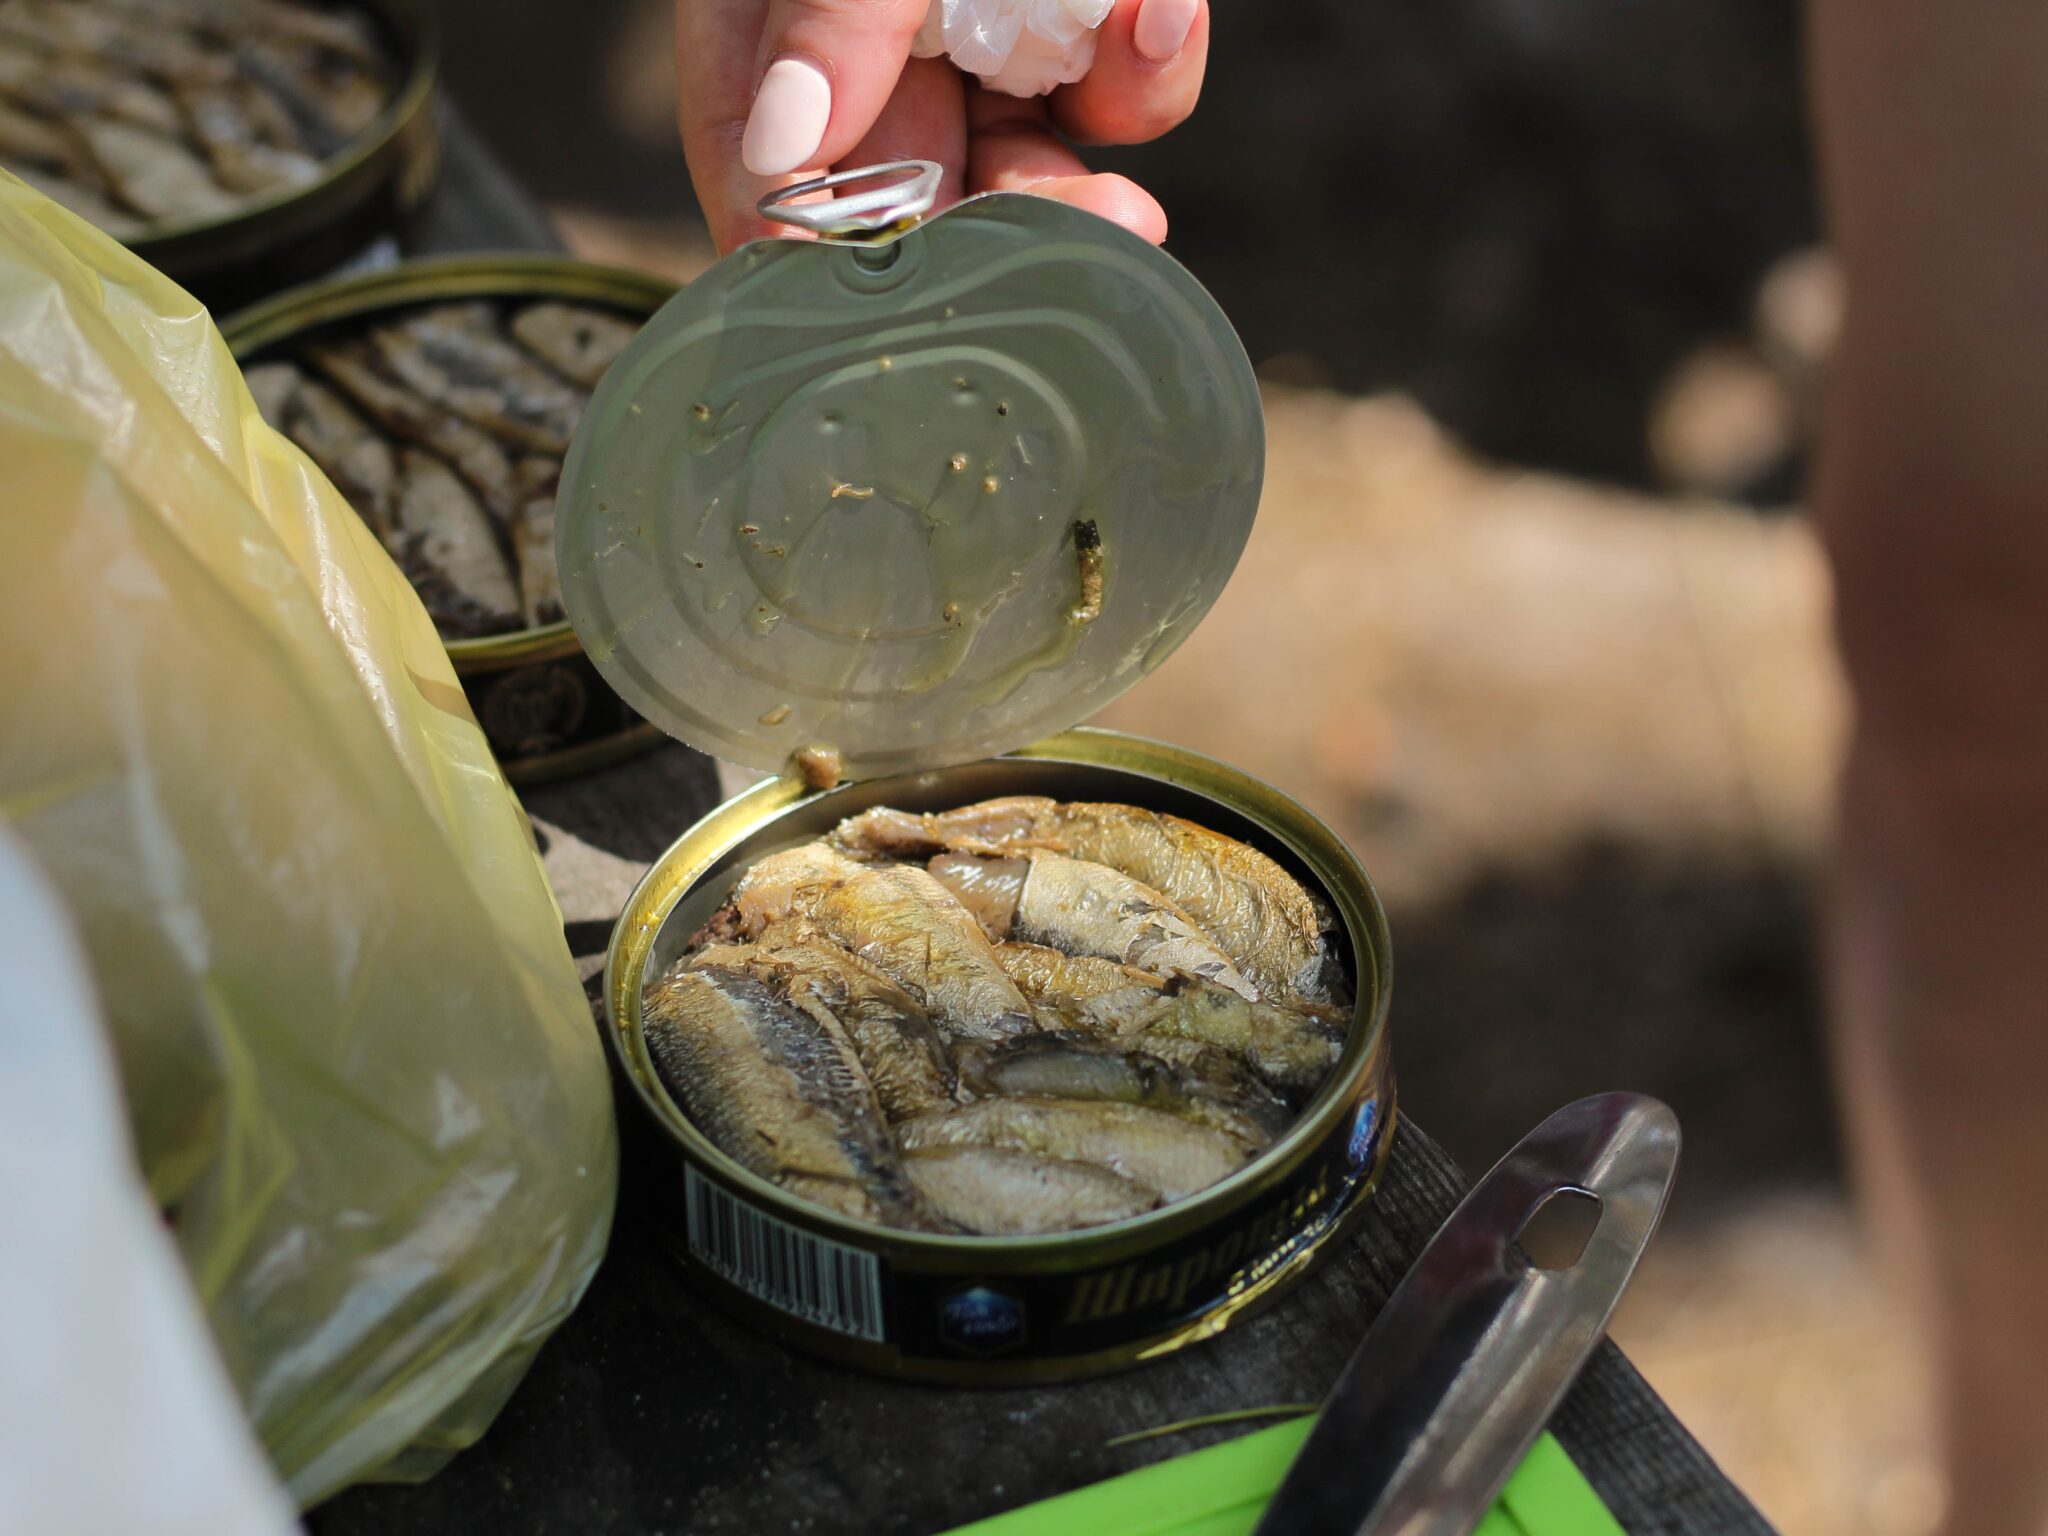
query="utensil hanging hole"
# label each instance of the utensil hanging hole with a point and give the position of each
(1557, 1231)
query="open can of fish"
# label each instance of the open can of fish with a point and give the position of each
(892, 504)
(237, 148)
(546, 711)
(1026, 1309)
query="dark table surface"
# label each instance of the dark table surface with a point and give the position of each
(650, 1412)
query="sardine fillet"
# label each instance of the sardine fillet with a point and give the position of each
(1268, 923)
(1186, 1078)
(1292, 1046)
(901, 920)
(997, 1192)
(778, 1090)
(902, 1054)
(1174, 1156)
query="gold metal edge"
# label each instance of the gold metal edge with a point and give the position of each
(677, 870)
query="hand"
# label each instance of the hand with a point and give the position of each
(773, 91)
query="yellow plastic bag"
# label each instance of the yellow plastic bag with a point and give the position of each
(361, 1072)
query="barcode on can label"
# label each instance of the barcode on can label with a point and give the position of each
(809, 1277)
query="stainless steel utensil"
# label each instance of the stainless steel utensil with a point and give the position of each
(1479, 1344)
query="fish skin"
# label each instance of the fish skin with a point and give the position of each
(1205, 1084)
(454, 355)
(998, 1192)
(166, 53)
(899, 919)
(221, 121)
(905, 922)
(1291, 1046)
(903, 1055)
(156, 176)
(354, 370)
(537, 477)
(1091, 909)
(1174, 1156)
(779, 887)
(991, 889)
(1266, 920)
(578, 343)
(533, 547)
(447, 531)
(331, 99)
(779, 1090)
(76, 85)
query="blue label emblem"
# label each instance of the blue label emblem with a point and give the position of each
(982, 1322)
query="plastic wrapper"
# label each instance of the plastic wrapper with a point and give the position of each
(1019, 47)
(361, 1074)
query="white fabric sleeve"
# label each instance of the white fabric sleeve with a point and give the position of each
(115, 1413)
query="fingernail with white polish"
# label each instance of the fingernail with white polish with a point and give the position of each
(788, 121)
(1162, 28)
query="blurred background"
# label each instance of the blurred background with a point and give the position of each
(1531, 616)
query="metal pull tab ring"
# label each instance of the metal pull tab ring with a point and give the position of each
(909, 195)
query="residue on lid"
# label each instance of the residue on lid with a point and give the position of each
(1088, 555)
(819, 766)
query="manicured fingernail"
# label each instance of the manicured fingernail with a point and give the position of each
(1162, 28)
(788, 121)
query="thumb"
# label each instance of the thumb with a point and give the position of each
(827, 70)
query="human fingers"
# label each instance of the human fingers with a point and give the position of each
(1012, 148)
(1149, 59)
(926, 119)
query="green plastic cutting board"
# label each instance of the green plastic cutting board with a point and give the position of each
(1221, 1491)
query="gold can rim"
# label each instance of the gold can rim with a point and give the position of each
(425, 280)
(1292, 825)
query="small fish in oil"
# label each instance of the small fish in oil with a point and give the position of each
(1148, 1146)
(448, 532)
(453, 354)
(904, 1056)
(154, 175)
(999, 1192)
(1086, 909)
(578, 343)
(1292, 1046)
(1206, 1085)
(780, 1090)
(355, 370)
(1271, 926)
(900, 919)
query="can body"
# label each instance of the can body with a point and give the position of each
(1031, 1309)
(542, 705)
(368, 193)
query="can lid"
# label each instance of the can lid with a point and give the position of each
(921, 495)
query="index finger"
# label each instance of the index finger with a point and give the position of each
(717, 44)
(770, 90)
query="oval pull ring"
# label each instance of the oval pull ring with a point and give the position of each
(912, 187)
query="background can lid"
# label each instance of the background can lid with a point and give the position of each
(922, 498)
